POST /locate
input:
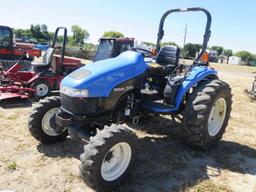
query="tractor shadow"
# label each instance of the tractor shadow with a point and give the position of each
(164, 162)
(16, 103)
(66, 149)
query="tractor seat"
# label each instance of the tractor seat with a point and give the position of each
(47, 58)
(166, 61)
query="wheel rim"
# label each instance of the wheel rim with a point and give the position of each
(116, 161)
(217, 116)
(42, 89)
(48, 123)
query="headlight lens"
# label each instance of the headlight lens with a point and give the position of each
(74, 92)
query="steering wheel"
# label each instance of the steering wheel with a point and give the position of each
(144, 52)
(1, 42)
(5, 42)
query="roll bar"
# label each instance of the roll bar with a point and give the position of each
(207, 33)
(63, 44)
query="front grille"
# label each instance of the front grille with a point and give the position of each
(82, 106)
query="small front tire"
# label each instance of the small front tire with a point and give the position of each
(41, 121)
(108, 157)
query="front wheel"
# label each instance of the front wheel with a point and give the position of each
(108, 157)
(206, 114)
(41, 122)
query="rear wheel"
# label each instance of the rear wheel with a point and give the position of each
(206, 114)
(41, 121)
(42, 89)
(108, 157)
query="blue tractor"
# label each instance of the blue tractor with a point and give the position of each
(98, 99)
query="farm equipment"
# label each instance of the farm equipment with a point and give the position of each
(252, 93)
(96, 99)
(112, 47)
(108, 48)
(10, 52)
(45, 76)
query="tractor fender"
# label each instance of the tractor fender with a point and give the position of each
(196, 75)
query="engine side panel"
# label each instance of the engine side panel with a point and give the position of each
(95, 106)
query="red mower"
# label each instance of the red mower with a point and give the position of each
(44, 76)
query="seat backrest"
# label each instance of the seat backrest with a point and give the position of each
(47, 58)
(168, 55)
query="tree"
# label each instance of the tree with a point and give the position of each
(36, 31)
(44, 28)
(198, 47)
(245, 56)
(228, 52)
(22, 32)
(113, 34)
(90, 47)
(253, 57)
(40, 32)
(79, 34)
(51, 35)
(219, 49)
(168, 43)
(190, 50)
(149, 43)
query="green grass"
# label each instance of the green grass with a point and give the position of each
(12, 166)
(209, 186)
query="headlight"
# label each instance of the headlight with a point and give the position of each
(74, 92)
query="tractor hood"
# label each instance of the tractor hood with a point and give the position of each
(99, 78)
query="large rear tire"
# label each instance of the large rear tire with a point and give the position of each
(41, 121)
(206, 114)
(108, 157)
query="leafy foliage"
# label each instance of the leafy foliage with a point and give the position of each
(113, 34)
(76, 42)
(38, 32)
(23, 32)
(190, 50)
(246, 56)
(228, 52)
(168, 43)
(42, 35)
(90, 46)
(79, 35)
(219, 49)
(149, 43)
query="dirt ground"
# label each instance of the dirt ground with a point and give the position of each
(163, 163)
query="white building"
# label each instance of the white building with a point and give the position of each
(234, 60)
